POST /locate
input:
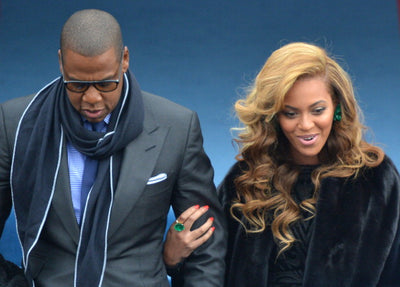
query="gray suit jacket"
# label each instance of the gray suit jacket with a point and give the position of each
(170, 144)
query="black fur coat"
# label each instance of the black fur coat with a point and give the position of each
(356, 240)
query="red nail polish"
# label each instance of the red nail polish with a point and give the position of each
(197, 206)
(206, 207)
(213, 228)
(212, 218)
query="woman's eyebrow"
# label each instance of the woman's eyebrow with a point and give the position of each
(311, 106)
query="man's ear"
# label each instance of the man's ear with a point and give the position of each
(125, 60)
(60, 62)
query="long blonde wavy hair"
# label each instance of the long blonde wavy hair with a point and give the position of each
(264, 189)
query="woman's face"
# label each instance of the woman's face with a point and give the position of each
(306, 119)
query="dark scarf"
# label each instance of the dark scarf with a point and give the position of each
(47, 121)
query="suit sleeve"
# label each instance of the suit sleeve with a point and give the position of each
(206, 265)
(5, 161)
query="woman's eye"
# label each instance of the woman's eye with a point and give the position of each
(319, 110)
(290, 114)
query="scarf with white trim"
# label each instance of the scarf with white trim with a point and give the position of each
(46, 123)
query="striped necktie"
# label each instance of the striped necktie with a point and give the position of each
(90, 169)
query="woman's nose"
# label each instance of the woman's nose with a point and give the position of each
(306, 122)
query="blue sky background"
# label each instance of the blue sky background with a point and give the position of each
(203, 54)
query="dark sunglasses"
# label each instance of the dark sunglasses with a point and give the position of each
(82, 86)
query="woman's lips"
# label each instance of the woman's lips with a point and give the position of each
(308, 139)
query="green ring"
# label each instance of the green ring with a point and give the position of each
(179, 227)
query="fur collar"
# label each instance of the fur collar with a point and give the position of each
(356, 240)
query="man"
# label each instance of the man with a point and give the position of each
(11, 275)
(93, 165)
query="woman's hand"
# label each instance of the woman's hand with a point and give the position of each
(180, 244)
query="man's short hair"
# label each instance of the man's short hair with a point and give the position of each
(90, 33)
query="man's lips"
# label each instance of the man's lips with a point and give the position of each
(92, 113)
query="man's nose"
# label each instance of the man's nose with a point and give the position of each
(91, 95)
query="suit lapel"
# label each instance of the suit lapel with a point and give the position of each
(139, 159)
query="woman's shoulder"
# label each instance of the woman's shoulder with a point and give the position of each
(234, 171)
(381, 182)
(385, 172)
(383, 176)
(227, 189)
(388, 164)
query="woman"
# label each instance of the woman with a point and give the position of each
(309, 202)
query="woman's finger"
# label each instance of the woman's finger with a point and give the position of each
(189, 216)
(198, 232)
(184, 215)
(202, 239)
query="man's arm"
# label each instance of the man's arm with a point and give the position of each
(206, 265)
(5, 163)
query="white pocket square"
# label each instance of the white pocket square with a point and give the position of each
(157, 178)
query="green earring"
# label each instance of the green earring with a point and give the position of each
(337, 116)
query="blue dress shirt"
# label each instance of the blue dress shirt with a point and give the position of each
(76, 165)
